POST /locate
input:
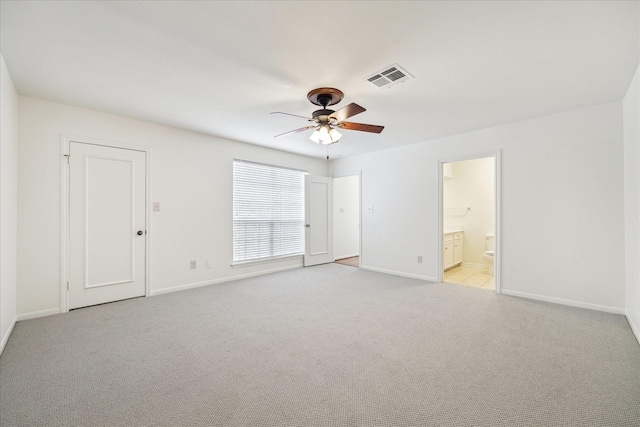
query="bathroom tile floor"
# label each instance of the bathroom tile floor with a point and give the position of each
(476, 277)
(353, 261)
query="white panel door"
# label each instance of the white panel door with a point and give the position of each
(318, 220)
(107, 224)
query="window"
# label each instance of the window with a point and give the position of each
(268, 211)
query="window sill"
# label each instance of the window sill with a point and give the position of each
(250, 263)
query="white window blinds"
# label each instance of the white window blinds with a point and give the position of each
(268, 211)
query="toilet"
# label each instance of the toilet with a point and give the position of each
(490, 252)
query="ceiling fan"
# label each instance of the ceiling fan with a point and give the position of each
(326, 122)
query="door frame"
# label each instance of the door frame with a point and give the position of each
(497, 200)
(65, 141)
(359, 175)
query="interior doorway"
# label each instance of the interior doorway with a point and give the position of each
(105, 192)
(469, 221)
(318, 220)
(346, 220)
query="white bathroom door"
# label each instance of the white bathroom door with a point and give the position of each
(107, 224)
(318, 220)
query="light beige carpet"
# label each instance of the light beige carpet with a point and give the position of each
(323, 346)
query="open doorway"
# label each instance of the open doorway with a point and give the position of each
(469, 226)
(346, 220)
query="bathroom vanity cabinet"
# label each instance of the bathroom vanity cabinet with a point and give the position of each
(452, 247)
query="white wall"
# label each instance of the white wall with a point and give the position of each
(562, 205)
(471, 186)
(8, 202)
(346, 216)
(631, 119)
(191, 178)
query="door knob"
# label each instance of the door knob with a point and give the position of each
(140, 232)
(307, 225)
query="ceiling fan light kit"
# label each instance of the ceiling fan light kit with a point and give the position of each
(325, 135)
(326, 121)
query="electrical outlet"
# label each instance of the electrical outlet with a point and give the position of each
(370, 209)
(193, 264)
(209, 263)
(156, 206)
(419, 259)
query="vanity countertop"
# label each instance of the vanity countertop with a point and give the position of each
(452, 230)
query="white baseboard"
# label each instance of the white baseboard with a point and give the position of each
(572, 303)
(6, 336)
(400, 273)
(221, 280)
(634, 328)
(36, 314)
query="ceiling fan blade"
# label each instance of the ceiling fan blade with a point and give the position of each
(294, 131)
(347, 111)
(291, 115)
(361, 127)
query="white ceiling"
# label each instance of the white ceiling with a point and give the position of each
(220, 67)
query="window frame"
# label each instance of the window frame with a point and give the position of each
(300, 207)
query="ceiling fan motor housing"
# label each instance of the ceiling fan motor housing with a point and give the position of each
(322, 116)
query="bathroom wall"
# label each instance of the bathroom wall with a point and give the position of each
(471, 186)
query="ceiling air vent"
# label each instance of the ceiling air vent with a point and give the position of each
(390, 76)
